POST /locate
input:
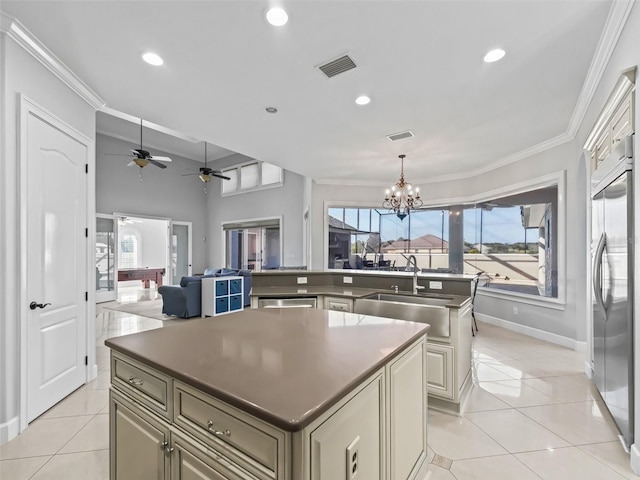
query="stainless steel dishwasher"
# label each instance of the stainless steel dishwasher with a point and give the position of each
(291, 302)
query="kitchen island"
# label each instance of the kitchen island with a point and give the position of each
(270, 394)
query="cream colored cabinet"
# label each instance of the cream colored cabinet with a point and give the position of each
(348, 444)
(191, 462)
(139, 442)
(338, 304)
(407, 413)
(440, 370)
(377, 431)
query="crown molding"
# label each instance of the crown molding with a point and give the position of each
(13, 29)
(613, 27)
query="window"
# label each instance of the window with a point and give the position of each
(128, 251)
(249, 177)
(513, 240)
(253, 245)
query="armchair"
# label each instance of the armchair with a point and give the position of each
(184, 300)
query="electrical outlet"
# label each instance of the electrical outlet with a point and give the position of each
(515, 310)
(353, 459)
(435, 285)
(302, 280)
(347, 279)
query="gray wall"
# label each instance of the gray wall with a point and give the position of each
(161, 193)
(285, 201)
(21, 73)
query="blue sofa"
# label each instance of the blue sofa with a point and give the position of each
(185, 300)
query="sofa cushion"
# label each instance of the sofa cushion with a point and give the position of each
(227, 272)
(185, 280)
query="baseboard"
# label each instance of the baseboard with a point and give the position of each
(534, 332)
(635, 459)
(9, 430)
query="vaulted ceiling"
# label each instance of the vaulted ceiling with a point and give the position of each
(421, 62)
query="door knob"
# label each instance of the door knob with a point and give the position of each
(34, 305)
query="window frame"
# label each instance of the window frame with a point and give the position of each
(238, 169)
(556, 178)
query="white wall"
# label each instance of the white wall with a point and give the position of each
(285, 201)
(21, 73)
(161, 193)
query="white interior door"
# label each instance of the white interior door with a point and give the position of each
(56, 262)
(181, 250)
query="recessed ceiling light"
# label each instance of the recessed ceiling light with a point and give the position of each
(152, 59)
(363, 100)
(271, 110)
(494, 55)
(277, 17)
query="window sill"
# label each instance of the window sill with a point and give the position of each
(552, 303)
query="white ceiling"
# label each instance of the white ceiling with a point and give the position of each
(419, 61)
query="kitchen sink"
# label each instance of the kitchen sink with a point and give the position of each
(416, 299)
(414, 308)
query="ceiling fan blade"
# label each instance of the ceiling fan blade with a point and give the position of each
(159, 159)
(219, 175)
(188, 174)
(131, 163)
(118, 154)
(157, 164)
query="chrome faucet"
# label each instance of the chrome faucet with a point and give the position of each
(394, 288)
(416, 287)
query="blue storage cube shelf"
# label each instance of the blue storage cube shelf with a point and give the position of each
(221, 295)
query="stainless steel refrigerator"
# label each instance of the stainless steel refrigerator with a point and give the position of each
(612, 256)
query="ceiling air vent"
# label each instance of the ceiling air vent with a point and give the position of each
(400, 135)
(337, 66)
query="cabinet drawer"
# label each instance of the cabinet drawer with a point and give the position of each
(440, 370)
(150, 387)
(236, 435)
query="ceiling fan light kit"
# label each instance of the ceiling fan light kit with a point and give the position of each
(142, 158)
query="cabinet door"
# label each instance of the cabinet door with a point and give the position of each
(440, 370)
(138, 442)
(408, 413)
(350, 440)
(190, 463)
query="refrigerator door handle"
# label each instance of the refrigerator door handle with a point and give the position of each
(597, 273)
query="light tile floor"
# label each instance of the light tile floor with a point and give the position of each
(531, 414)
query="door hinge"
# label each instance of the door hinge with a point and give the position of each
(86, 360)
(86, 296)
(86, 232)
(86, 168)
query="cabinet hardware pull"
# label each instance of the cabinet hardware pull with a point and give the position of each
(220, 433)
(135, 381)
(164, 445)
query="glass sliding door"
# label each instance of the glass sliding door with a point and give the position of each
(105, 258)
(253, 245)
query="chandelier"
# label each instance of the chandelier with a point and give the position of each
(401, 199)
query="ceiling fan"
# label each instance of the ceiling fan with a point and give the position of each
(205, 173)
(142, 157)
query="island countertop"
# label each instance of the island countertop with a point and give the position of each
(284, 366)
